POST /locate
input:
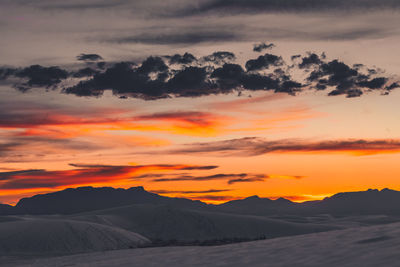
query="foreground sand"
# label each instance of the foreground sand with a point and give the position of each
(362, 246)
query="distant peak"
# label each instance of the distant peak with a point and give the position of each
(253, 197)
(372, 190)
(387, 190)
(281, 199)
(138, 188)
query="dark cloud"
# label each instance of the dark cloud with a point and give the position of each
(89, 57)
(269, 6)
(85, 72)
(375, 83)
(290, 87)
(181, 38)
(262, 46)
(76, 5)
(189, 168)
(38, 76)
(6, 72)
(392, 86)
(230, 178)
(259, 82)
(253, 146)
(161, 166)
(7, 175)
(190, 81)
(220, 57)
(184, 59)
(152, 64)
(228, 76)
(309, 60)
(121, 79)
(84, 174)
(264, 62)
(246, 180)
(187, 76)
(232, 76)
(344, 79)
(101, 65)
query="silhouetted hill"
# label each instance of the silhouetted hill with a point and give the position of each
(371, 201)
(82, 199)
(256, 205)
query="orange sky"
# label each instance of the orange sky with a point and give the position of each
(302, 148)
(269, 130)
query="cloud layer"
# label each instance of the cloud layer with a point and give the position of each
(188, 76)
(83, 174)
(270, 6)
(254, 146)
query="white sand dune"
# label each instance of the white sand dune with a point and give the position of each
(363, 246)
(31, 236)
(167, 223)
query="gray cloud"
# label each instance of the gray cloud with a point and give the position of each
(271, 6)
(231, 178)
(157, 77)
(181, 37)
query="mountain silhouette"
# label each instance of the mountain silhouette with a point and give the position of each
(257, 206)
(368, 202)
(84, 199)
(372, 201)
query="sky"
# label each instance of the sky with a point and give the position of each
(205, 99)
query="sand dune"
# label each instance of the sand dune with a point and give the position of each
(52, 236)
(363, 246)
(168, 223)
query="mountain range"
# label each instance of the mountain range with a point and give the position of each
(85, 199)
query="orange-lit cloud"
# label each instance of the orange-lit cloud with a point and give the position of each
(230, 178)
(253, 146)
(244, 103)
(59, 123)
(83, 175)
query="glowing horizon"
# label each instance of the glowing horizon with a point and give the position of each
(227, 100)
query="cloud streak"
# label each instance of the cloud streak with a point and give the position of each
(273, 6)
(253, 146)
(231, 178)
(83, 174)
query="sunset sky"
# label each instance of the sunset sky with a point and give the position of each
(206, 99)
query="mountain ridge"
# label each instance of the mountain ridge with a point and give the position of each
(82, 199)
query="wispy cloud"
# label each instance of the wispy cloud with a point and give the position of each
(230, 178)
(190, 191)
(271, 6)
(254, 146)
(83, 174)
